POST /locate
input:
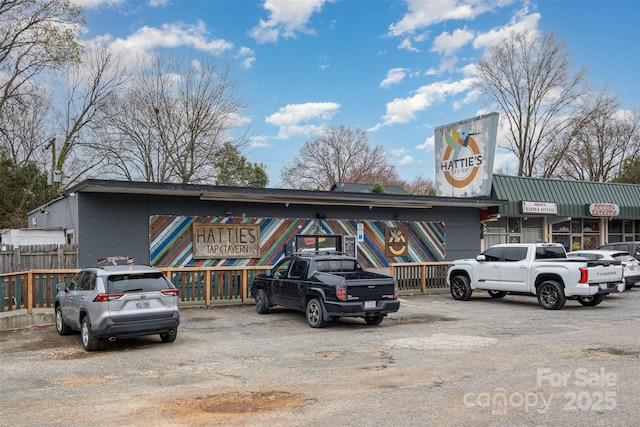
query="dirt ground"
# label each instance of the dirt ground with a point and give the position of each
(436, 362)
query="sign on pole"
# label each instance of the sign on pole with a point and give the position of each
(464, 156)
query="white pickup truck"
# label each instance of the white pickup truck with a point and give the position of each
(541, 269)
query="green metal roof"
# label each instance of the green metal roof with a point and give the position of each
(572, 197)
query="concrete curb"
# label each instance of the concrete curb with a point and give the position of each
(19, 319)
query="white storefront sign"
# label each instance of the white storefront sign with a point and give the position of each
(539, 207)
(604, 209)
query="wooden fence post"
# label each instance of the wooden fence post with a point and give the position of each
(29, 292)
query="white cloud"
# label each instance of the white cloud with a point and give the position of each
(172, 35)
(157, 3)
(423, 14)
(403, 110)
(287, 18)
(95, 4)
(527, 25)
(246, 56)
(406, 160)
(290, 117)
(505, 162)
(398, 151)
(447, 44)
(406, 44)
(259, 141)
(428, 143)
(394, 76)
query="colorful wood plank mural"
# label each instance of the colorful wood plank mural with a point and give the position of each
(171, 239)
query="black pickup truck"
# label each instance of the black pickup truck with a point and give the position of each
(326, 287)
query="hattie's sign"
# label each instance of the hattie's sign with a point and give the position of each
(226, 241)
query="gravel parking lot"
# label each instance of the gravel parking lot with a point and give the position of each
(437, 361)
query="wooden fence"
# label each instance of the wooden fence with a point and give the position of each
(38, 257)
(198, 286)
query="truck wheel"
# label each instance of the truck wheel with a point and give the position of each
(551, 295)
(460, 288)
(375, 320)
(262, 302)
(497, 294)
(60, 326)
(89, 342)
(591, 301)
(314, 314)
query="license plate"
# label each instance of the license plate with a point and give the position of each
(368, 305)
(632, 268)
(604, 286)
(143, 304)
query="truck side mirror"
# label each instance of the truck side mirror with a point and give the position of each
(481, 258)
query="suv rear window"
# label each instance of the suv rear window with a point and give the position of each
(145, 282)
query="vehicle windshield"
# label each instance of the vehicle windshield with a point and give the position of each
(145, 282)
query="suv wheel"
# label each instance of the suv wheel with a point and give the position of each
(314, 314)
(551, 295)
(262, 302)
(60, 326)
(89, 342)
(169, 336)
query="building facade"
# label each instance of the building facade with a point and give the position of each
(175, 225)
(578, 214)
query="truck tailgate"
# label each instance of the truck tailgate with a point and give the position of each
(370, 289)
(604, 271)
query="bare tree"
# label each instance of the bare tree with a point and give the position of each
(421, 186)
(23, 130)
(35, 35)
(88, 89)
(600, 138)
(170, 122)
(340, 155)
(530, 79)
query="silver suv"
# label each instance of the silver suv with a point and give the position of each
(117, 301)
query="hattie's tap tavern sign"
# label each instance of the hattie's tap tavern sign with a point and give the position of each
(226, 241)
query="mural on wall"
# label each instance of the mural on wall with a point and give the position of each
(171, 239)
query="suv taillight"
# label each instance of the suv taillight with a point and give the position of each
(395, 290)
(107, 297)
(584, 275)
(341, 292)
(172, 292)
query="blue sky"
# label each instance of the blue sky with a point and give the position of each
(397, 69)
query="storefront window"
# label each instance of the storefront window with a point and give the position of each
(514, 230)
(623, 230)
(577, 234)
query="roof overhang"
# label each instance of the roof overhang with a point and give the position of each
(278, 195)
